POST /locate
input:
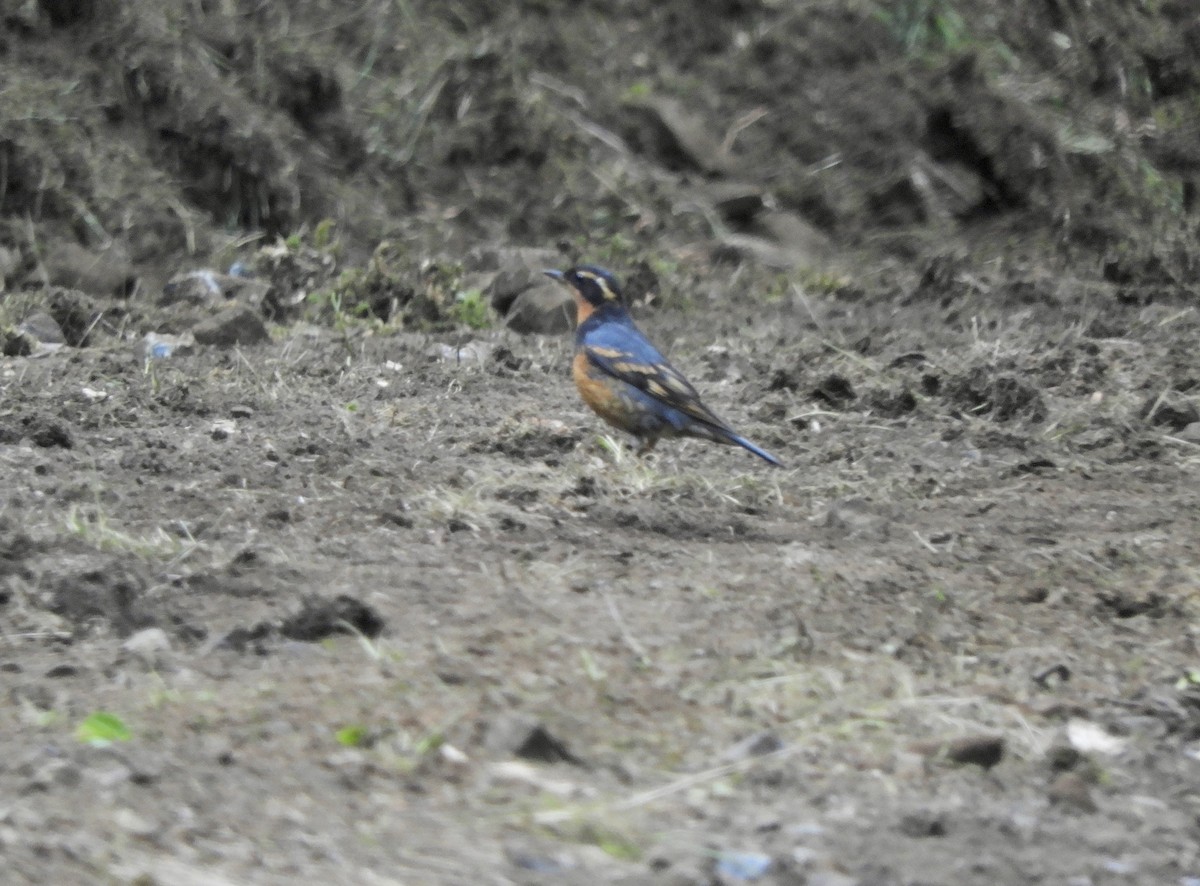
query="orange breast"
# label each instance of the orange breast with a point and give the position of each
(600, 392)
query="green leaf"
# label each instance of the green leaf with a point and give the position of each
(351, 736)
(102, 728)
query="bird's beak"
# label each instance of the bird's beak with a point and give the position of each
(557, 275)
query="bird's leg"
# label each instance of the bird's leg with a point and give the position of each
(646, 444)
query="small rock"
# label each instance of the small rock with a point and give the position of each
(109, 777)
(352, 766)
(223, 429)
(135, 824)
(523, 736)
(16, 343)
(145, 768)
(923, 823)
(539, 864)
(1089, 738)
(830, 878)
(755, 745)
(743, 867)
(1120, 867)
(147, 643)
(241, 411)
(1072, 789)
(219, 748)
(510, 282)
(44, 328)
(235, 325)
(982, 750)
(53, 773)
(106, 273)
(546, 309)
(1172, 409)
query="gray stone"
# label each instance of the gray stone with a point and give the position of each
(236, 325)
(547, 309)
(509, 283)
(16, 343)
(1070, 789)
(1190, 432)
(147, 643)
(136, 824)
(105, 273)
(42, 328)
(830, 878)
(756, 745)
(53, 773)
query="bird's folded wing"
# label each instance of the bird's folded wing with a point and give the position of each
(648, 371)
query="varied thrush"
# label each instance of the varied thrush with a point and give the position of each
(625, 379)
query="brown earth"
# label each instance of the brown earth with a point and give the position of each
(333, 579)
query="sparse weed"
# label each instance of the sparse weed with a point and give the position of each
(96, 530)
(353, 736)
(471, 309)
(922, 26)
(639, 90)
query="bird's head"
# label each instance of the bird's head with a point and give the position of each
(593, 288)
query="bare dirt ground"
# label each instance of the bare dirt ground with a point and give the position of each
(333, 578)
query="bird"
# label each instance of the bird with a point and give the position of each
(625, 379)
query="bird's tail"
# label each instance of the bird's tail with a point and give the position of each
(761, 453)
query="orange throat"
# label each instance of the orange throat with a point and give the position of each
(583, 310)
